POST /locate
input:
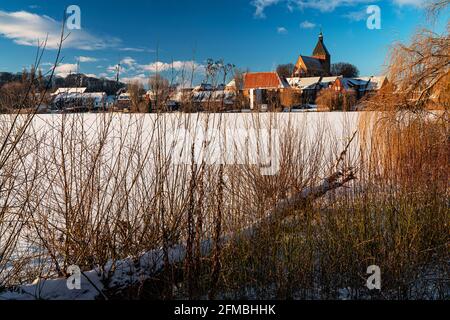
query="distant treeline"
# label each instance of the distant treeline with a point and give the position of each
(110, 87)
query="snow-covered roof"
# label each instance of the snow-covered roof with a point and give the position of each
(204, 87)
(213, 96)
(363, 83)
(231, 84)
(98, 96)
(124, 96)
(69, 90)
(95, 95)
(376, 83)
(360, 83)
(328, 79)
(304, 83)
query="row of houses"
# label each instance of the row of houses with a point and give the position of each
(255, 91)
(78, 100)
(306, 90)
(259, 91)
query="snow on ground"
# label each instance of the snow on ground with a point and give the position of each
(56, 289)
(339, 128)
(124, 273)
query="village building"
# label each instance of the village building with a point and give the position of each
(361, 86)
(317, 65)
(204, 97)
(262, 88)
(232, 87)
(123, 101)
(78, 100)
(213, 100)
(207, 97)
(310, 87)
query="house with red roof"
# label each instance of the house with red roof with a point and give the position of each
(263, 88)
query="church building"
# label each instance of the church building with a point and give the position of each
(317, 65)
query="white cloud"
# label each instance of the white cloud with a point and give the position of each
(328, 5)
(322, 5)
(357, 15)
(86, 59)
(63, 70)
(136, 50)
(307, 25)
(415, 3)
(127, 65)
(132, 71)
(159, 66)
(26, 28)
(128, 61)
(282, 30)
(140, 78)
(261, 5)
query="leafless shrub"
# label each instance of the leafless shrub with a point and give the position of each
(16, 143)
(138, 103)
(330, 100)
(290, 98)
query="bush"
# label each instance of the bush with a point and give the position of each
(291, 98)
(330, 100)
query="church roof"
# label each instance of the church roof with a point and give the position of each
(312, 64)
(321, 49)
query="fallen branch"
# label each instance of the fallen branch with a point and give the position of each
(151, 265)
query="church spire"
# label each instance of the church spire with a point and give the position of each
(321, 49)
(321, 53)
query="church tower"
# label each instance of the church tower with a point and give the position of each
(321, 53)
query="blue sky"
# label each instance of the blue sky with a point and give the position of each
(173, 34)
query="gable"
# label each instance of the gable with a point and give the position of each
(261, 80)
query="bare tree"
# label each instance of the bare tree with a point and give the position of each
(421, 69)
(138, 103)
(435, 7)
(159, 92)
(345, 69)
(285, 70)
